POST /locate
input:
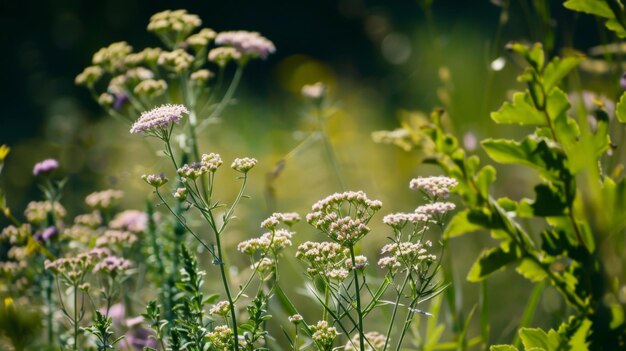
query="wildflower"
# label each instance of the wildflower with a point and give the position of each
(111, 58)
(221, 308)
(222, 56)
(288, 218)
(251, 44)
(322, 257)
(16, 235)
(157, 120)
(45, 167)
(265, 264)
(375, 342)
(112, 265)
(181, 194)
(177, 61)
(324, 334)
(130, 220)
(399, 220)
(155, 180)
(221, 337)
(103, 199)
(243, 165)
(337, 274)
(150, 88)
(201, 39)
(273, 241)
(414, 256)
(138, 74)
(116, 237)
(314, 91)
(437, 187)
(295, 319)
(208, 163)
(49, 233)
(173, 24)
(37, 212)
(106, 99)
(89, 76)
(436, 208)
(201, 76)
(360, 262)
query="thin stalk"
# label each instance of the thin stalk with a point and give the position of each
(75, 317)
(358, 300)
(226, 99)
(395, 311)
(49, 278)
(227, 291)
(330, 152)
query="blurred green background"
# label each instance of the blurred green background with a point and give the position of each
(379, 58)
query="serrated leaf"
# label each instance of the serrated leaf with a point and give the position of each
(592, 7)
(531, 270)
(491, 260)
(485, 177)
(520, 111)
(620, 109)
(460, 224)
(558, 69)
(537, 338)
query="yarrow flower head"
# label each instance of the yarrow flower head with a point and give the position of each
(436, 187)
(103, 199)
(411, 256)
(243, 165)
(295, 319)
(288, 218)
(400, 220)
(208, 163)
(221, 308)
(344, 216)
(155, 180)
(170, 24)
(156, 121)
(250, 44)
(436, 208)
(223, 55)
(323, 257)
(181, 194)
(324, 334)
(37, 211)
(45, 167)
(375, 342)
(130, 220)
(112, 265)
(221, 337)
(268, 242)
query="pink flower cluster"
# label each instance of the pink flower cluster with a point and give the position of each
(252, 44)
(158, 118)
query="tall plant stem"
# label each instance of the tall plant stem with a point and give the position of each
(75, 317)
(358, 300)
(227, 290)
(395, 311)
(50, 321)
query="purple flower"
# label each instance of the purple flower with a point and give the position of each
(119, 101)
(48, 233)
(45, 166)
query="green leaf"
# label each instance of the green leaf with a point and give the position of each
(492, 260)
(460, 224)
(578, 341)
(533, 55)
(503, 348)
(531, 270)
(537, 338)
(549, 202)
(558, 69)
(521, 111)
(592, 7)
(485, 177)
(620, 109)
(616, 27)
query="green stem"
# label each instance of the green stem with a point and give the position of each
(330, 152)
(75, 317)
(358, 300)
(227, 291)
(395, 311)
(226, 99)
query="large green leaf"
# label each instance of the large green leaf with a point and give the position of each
(592, 7)
(492, 260)
(531, 270)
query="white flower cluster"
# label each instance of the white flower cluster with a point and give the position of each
(158, 119)
(221, 308)
(356, 198)
(208, 163)
(360, 262)
(112, 57)
(201, 39)
(436, 208)
(91, 220)
(268, 242)
(324, 334)
(399, 220)
(438, 187)
(181, 194)
(173, 23)
(263, 265)
(375, 342)
(295, 319)
(116, 237)
(155, 180)
(112, 265)
(74, 268)
(327, 259)
(243, 165)
(288, 218)
(37, 211)
(314, 91)
(177, 61)
(251, 44)
(406, 254)
(344, 230)
(150, 88)
(131, 220)
(221, 337)
(223, 55)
